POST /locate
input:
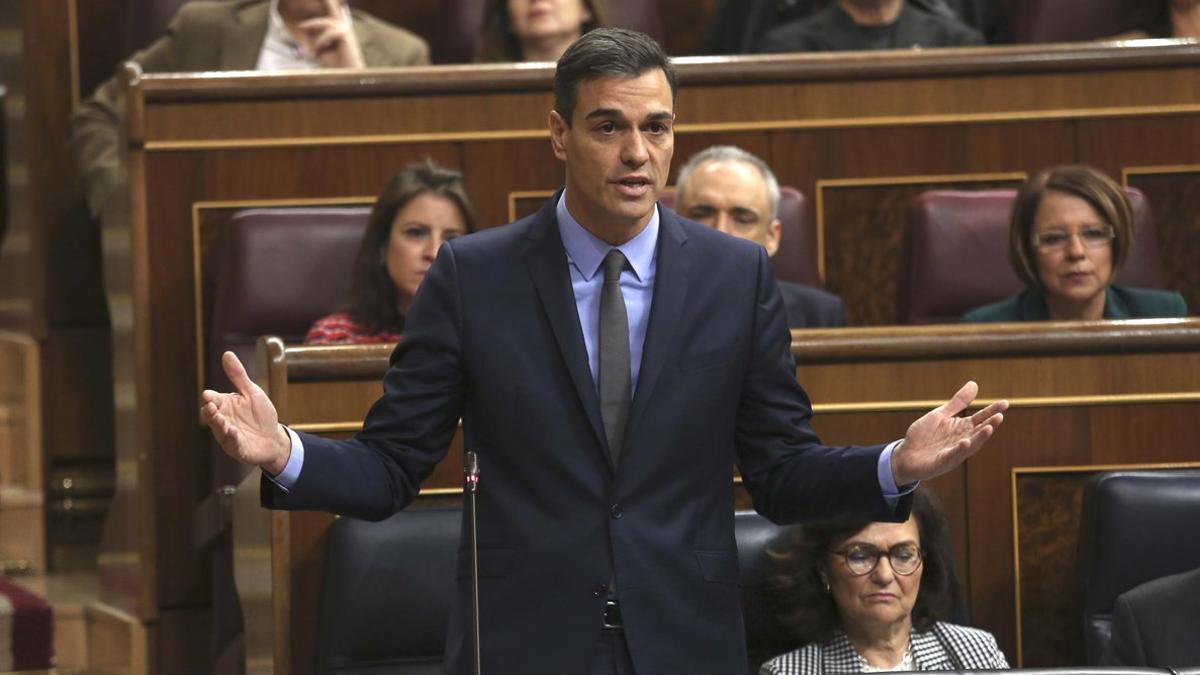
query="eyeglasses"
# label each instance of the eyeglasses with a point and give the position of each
(863, 558)
(1092, 236)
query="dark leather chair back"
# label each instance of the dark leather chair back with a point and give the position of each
(956, 253)
(796, 259)
(279, 270)
(387, 592)
(1135, 526)
(1067, 20)
(765, 637)
(375, 570)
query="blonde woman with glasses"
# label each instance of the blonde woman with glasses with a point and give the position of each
(1072, 228)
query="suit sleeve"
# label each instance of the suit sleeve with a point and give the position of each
(787, 471)
(407, 431)
(97, 126)
(1125, 646)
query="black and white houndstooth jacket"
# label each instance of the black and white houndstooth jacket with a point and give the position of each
(944, 647)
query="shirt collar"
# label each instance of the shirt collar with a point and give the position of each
(276, 28)
(587, 250)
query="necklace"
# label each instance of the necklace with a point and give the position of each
(906, 662)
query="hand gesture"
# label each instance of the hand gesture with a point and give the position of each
(941, 440)
(245, 422)
(331, 39)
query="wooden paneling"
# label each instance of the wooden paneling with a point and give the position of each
(1083, 394)
(1174, 193)
(819, 120)
(494, 169)
(861, 228)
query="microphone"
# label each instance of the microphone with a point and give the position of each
(470, 488)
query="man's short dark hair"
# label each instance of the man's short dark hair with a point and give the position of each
(607, 52)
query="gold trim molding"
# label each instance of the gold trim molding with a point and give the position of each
(1014, 403)
(682, 129)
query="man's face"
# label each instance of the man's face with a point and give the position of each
(731, 196)
(617, 151)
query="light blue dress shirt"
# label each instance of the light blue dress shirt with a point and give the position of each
(585, 253)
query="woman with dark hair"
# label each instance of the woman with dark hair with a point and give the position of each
(535, 30)
(421, 207)
(873, 596)
(1071, 230)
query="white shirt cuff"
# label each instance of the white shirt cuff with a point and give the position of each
(887, 481)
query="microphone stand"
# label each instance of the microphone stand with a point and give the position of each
(470, 487)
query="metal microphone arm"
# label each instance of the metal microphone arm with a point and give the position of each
(470, 487)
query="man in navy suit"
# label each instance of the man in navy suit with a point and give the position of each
(607, 395)
(735, 192)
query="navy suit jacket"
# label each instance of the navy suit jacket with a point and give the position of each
(808, 307)
(493, 335)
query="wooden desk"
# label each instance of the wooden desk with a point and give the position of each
(859, 134)
(1085, 397)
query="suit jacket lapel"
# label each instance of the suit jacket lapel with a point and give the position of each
(547, 262)
(670, 292)
(242, 40)
(366, 43)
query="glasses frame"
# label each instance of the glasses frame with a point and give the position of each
(844, 554)
(1035, 239)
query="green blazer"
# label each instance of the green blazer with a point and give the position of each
(1120, 302)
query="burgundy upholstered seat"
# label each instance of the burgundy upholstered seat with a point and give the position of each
(279, 270)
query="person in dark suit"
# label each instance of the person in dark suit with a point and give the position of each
(856, 25)
(1154, 625)
(735, 192)
(1072, 228)
(610, 362)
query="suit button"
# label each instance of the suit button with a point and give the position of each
(615, 510)
(600, 590)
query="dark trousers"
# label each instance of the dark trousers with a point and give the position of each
(612, 655)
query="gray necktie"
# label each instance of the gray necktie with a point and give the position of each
(614, 354)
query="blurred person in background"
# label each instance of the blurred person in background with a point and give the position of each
(535, 30)
(1071, 230)
(421, 207)
(857, 25)
(224, 35)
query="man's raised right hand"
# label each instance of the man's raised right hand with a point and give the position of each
(244, 422)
